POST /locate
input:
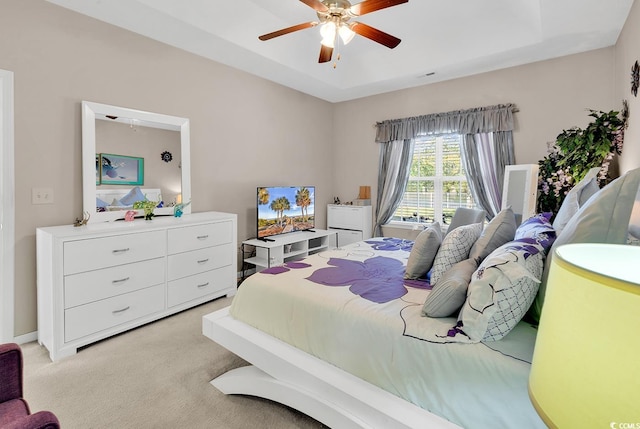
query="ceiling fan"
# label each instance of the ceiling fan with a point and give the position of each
(335, 20)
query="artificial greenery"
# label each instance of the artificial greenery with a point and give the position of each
(574, 153)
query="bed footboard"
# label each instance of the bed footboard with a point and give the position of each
(287, 375)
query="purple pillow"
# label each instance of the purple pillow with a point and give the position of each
(539, 229)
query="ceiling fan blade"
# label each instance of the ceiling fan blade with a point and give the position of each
(325, 54)
(374, 34)
(288, 30)
(369, 6)
(316, 5)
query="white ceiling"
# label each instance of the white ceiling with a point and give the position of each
(451, 38)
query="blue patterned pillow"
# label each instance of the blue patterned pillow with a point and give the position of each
(538, 228)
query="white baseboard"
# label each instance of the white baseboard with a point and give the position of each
(26, 338)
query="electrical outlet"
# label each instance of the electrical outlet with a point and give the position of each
(41, 195)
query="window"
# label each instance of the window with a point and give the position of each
(437, 184)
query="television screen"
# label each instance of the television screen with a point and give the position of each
(283, 209)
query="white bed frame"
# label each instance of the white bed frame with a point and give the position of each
(285, 374)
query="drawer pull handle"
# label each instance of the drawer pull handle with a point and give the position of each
(203, 237)
(203, 285)
(122, 310)
(120, 280)
(120, 250)
(203, 261)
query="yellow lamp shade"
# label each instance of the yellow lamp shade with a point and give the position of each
(586, 364)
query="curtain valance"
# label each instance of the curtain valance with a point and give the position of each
(472, 121)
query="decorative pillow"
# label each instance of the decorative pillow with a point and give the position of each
(602, 219)
(455, 248)
(501, 291)
(101, 204)
(448, 295)
(134, 195)
(576, 197)
(423, 252)
(539, 229)
(499, 230)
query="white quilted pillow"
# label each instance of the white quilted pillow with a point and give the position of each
(502, 290)
(455, 248)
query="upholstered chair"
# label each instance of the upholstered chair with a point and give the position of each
(465, 216)
(14, 410)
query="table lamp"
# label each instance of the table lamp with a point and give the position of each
(586, 363)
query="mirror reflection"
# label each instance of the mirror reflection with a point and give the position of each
(131, 156)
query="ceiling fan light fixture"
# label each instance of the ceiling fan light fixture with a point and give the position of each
(328, 33)
(346, 33)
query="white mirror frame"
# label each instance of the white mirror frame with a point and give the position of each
(520, 189)
(95, 111)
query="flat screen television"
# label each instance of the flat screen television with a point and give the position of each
(284, 209)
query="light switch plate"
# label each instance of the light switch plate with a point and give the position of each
(41, 195)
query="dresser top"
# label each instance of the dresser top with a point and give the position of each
(138, 225)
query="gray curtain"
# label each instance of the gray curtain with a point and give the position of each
(393, 174)
(485, 156)
(473, 121)
(486, 160)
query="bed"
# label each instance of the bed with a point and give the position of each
(342, 337)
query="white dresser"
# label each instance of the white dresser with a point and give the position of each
(100, 279)
(352, 223)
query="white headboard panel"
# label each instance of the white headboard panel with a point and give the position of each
(109, 195)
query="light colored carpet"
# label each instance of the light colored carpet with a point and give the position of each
(155, 376)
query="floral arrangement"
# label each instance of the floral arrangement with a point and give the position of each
(575, 152)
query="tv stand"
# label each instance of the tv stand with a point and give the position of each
(280, 249)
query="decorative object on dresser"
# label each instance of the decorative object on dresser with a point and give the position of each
(85, 219)
(103, 279)
(147, 206)
(351, 223)
(178, 209)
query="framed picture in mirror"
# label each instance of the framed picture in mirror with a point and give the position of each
(121, 170)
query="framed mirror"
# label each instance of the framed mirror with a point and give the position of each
(131, 155)
(520, 188)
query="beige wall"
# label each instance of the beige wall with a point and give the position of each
(627, 53)
(246, 131)
(550, 95)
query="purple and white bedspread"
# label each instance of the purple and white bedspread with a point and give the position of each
(351, 307)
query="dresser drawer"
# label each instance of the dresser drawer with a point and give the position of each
(108, 313)
(199, 236)
(96, 253)
(199, 285)
(199, 261)
(83, 288)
